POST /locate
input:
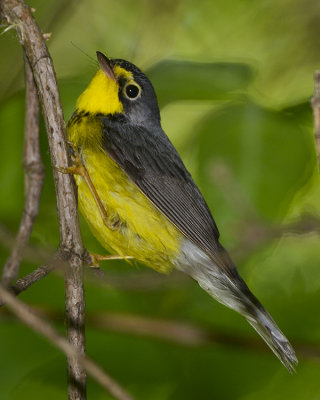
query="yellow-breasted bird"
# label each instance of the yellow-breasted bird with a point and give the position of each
(139, 199)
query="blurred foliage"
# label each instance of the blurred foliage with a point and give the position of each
(234, 79)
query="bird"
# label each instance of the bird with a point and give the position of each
(141, 202)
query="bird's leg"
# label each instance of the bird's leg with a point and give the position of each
(96, 258)
(78, 168)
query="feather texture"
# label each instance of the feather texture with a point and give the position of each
(151, 161)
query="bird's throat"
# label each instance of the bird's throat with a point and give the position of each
(101, 96)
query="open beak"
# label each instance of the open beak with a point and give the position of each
(106, 66)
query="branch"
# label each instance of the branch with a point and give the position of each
(57, 261)
(315, 102)
(34, 175)
(30, 318)
(24, 283)
(19, 15)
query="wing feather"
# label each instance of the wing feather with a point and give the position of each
(151, 161)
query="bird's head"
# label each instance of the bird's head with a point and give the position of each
(119, 87)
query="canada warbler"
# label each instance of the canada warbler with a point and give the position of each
(139, 199)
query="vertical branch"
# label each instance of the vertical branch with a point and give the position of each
(75, 320)
(315, 102)
(34, 175)
(18, 14)
(70, 252)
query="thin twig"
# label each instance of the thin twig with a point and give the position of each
(315, 102)
(34, 175)
(58, 261)
(30, 318)
(18, 14)
(24, 283)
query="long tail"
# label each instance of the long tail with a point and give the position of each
(263, 323)
(226, 286)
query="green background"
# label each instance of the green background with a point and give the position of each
(234, 81)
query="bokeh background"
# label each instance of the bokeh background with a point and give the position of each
(234, 81)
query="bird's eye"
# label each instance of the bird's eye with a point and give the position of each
(132, 90)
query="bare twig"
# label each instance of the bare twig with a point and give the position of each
(34, 175)
(75, 320)
(24, 283)
(315, 102)
(57, 261)
(18, 14)
(30, 318)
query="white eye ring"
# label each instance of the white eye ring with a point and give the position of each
(131, 90)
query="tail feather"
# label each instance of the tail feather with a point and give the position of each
(263, 323)
(227, 287)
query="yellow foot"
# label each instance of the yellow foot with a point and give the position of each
(96, 258)
(77, 167)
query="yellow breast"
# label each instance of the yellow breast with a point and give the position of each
(144, 232)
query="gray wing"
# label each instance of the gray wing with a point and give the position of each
(154, 165)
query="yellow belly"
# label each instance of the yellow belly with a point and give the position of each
(144, 233)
